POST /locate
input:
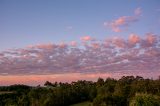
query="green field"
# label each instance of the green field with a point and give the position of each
(83, 104)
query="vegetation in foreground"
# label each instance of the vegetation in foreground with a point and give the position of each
(127, 91)
(83, 104)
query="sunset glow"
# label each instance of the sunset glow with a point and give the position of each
(78, 40)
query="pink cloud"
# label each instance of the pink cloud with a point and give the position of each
(119, 42)
(95, 45)
(133, 38)
(42, 46)
(73, 43)
(86, 38)
(62, 45)
(122, 23)
(1, 54)
(151, 38)
(153, 52)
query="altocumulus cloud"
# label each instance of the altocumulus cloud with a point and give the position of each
(120, 24)
(116, 55)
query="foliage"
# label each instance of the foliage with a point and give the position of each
(83, 104)
(145, 100)
(127, 91)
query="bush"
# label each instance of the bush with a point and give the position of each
(145, 100)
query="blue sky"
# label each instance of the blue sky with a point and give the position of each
(25, 22)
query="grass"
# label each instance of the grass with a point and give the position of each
(83, 104)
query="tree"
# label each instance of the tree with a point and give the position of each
(100, 82)
(48, 84)
(145, 100)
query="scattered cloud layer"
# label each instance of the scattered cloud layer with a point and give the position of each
(115, 55)
(122, 23)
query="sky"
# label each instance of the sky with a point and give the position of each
(52, 39)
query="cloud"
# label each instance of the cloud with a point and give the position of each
(151, 38)
(73, 43)
(86, 38)
(119, 42)
(1, 54)
(133, 38)
(114, 56)
(62, 45)
(42, 46)
(122, 23)
(95, 45)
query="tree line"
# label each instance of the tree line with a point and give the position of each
(126, 91)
